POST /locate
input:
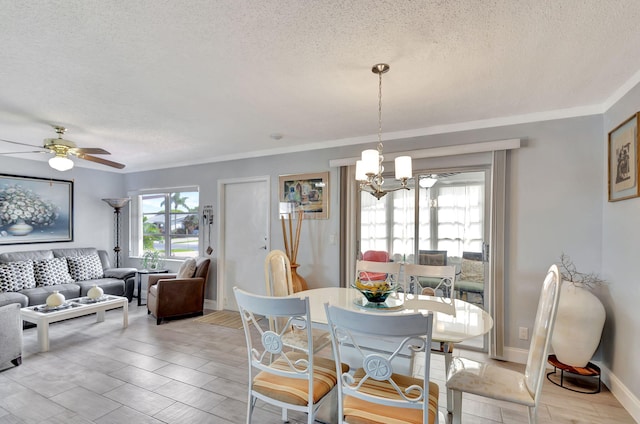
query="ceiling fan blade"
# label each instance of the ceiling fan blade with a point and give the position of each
(23, 144)
(90, 150)
(27, 151)
(100, 160)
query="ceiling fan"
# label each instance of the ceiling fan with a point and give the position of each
(62, 148)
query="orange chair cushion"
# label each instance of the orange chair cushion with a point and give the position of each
(295, 390)
(358, 411)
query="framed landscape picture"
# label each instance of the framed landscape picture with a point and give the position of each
(35, 210)
(305, 192)
(623, 160)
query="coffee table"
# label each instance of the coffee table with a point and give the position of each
(42, 316)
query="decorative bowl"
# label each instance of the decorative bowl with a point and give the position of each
(375, 291)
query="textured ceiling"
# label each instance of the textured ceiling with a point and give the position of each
(164, 83)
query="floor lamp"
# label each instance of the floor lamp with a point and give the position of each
(117, 204)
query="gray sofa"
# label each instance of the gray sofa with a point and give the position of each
(11, 335)
(38, 273)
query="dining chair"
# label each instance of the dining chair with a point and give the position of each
(288, 379)
(379, 389)
(440, 281)
(439, 278)
(488, 380)
(277, 276)
(377, 271)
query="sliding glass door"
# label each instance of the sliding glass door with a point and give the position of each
(442, 220)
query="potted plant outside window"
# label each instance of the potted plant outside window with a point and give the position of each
(151, 260)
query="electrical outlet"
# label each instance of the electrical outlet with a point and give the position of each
(524, 333)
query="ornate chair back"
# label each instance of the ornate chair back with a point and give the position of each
(380, 389)
(288, 379)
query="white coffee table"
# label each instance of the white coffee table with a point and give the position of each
(81, 306)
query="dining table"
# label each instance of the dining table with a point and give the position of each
(454, 320)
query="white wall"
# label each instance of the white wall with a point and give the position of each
(93, 218)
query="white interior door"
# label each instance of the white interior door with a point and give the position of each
(245, 238)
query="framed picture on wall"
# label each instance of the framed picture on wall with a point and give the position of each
(35, 210)
(623, 160)
(305, 192)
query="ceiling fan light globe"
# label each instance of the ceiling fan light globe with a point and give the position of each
(61, 163)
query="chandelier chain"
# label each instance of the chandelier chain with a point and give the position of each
(380, 113)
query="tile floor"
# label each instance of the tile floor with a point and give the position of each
(187, 372)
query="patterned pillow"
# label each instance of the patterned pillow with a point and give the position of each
(472, 270)
(49, 272)
(15, 276)
(83, 268)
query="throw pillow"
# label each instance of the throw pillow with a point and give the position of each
(187, 269)
(15, 276)
(472, 270)
(49, 272)
(83, 268)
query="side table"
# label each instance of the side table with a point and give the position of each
(590, 371)
(139, 274)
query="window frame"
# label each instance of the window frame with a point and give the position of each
(136, 214)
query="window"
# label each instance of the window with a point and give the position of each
(450, 217)
(168, 222)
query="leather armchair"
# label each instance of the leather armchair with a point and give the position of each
(169, 296)
(10, 334)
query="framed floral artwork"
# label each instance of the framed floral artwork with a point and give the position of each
(35, 210)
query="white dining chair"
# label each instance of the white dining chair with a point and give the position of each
(377, 271)
(277, 276)
(377, 389)
(440, 279)
(488, 380)
(288, 379)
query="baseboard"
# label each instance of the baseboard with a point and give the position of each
(210, 304)
(621, 392)
(512, 354)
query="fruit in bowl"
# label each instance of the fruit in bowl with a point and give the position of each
(375, 291)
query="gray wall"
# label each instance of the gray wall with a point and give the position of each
(620, 234)
(557, 202)
(555, 194)
(93, 218)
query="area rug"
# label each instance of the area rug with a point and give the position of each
(231, 319)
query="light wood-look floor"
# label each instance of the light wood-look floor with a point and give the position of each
(187, 372)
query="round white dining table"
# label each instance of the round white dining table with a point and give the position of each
(452, 323)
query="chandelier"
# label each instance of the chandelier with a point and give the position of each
(369, 169)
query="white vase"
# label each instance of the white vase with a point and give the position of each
(55, 299)
(20, 229)
(578, 327)
(95, 292)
